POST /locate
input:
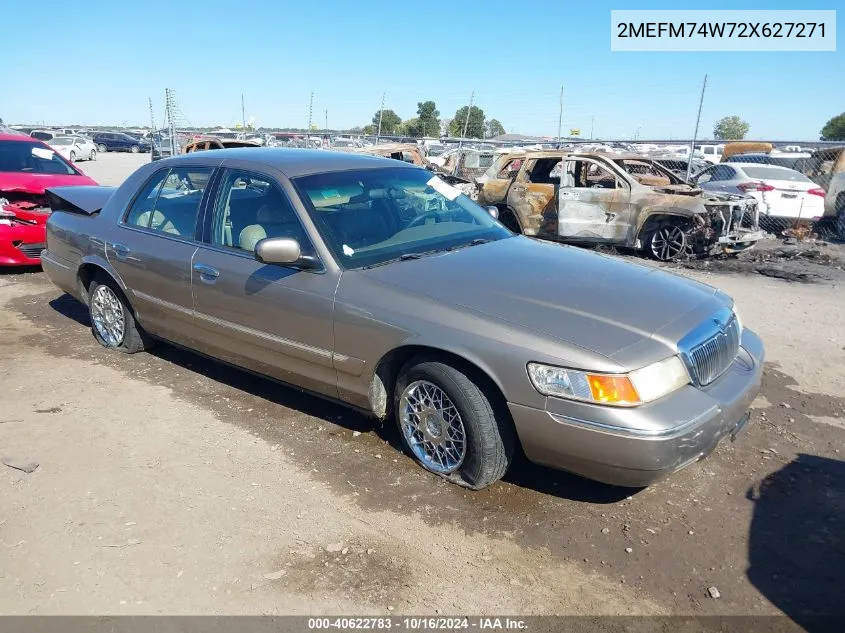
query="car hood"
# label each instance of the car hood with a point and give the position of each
(586, 299)
(36, 183)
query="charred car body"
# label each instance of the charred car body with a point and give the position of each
(624, 200)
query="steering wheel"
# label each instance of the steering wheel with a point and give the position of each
(420, 219)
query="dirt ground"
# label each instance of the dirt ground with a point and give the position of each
(168, 483)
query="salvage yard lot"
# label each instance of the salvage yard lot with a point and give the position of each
(171, 484)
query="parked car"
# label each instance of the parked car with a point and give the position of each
(27, 168)
(163, 148)
(74, 148)
(374, 282)
(711, 153)
(622, 199)
(781, 193)
(790, 160)
(45, 135)
(119, 142)
(834, 174)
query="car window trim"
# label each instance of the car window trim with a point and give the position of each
(211, 207)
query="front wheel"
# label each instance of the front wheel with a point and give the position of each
(667, 242)
(92, 155)
(840, 216)
(450, 426)
(73, 157)
(112, 322)
(135, 149)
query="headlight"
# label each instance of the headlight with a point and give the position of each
(621, 390)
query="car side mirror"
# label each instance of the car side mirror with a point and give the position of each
(494, 211)
(285, 251)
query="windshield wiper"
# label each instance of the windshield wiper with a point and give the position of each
(402, 258)
(476, 242)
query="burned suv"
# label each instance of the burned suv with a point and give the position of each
(624, 200)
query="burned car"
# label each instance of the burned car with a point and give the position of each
(374, 282)
(624, 200)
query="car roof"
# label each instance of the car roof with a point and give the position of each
(17, 137)
(743, 165)
(295, 162)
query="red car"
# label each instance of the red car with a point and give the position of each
(27, 168)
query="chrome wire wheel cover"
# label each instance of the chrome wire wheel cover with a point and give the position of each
(432, 427)
(668, 243)
(107, 316)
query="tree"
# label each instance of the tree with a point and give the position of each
(834, 130)
(730, 128)
(494, 128)
(475, 129)
(429, 118)
(390, 121)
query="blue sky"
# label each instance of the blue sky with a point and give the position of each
(98, 62)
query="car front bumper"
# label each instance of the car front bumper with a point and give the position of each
(637, 446)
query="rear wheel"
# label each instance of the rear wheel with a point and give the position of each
(92, 155)
(102, 148)
(840, 216)
(112, 321)
(509, 219)
(72, 157)
(134, 149)
(450, 426)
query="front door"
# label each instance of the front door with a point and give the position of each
(273, 319)
(593, 203)
(152, 246)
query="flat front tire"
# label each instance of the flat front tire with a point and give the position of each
(450, 426)
(112, 321)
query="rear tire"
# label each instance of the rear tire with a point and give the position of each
(134, 149)
(73, 157)
(102, 148)
(511, 222)
(112, 321)
(427, 387)
(92, 155)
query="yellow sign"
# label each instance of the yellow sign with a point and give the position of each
(575, 132)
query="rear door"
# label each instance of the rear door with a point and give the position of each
(153, 246)
(594, 203)
(497, 180)
(532, 195)
(273, 319)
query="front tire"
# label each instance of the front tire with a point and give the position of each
(450, 426)
(73, 157)
(667, 242)
(92, 155)
(112, 321)
(839, 225)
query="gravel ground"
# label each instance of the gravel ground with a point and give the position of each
(170, 484)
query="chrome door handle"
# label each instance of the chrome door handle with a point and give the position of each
(208, 274)
(121, 251)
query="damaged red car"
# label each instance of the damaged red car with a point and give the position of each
(27, 168)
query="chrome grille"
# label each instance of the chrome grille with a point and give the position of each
(710, 359)
(33, 251)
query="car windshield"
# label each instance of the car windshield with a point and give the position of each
(373, 216)
(23, 156)
(62, 140)
(764, 172)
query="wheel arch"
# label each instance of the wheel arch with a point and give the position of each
(504, 208)
(383, 380)
(648, 219)
(92, 265)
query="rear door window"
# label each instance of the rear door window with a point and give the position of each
(170, 201)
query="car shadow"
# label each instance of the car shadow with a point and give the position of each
(18, 270)
(522, 472)
(796, 550)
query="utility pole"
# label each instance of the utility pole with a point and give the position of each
(310, 113)
(560, 117)
(466, 122)
(380, 112)
(695, 134)
(153, 130)
(243, 115)
(592, 122)
(327, 128)
(170, 109)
